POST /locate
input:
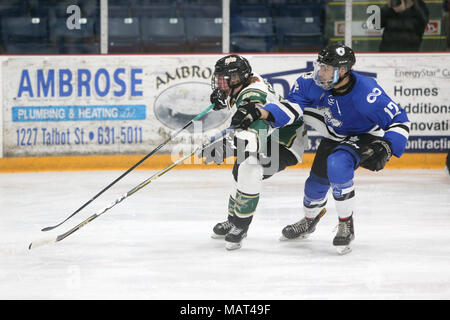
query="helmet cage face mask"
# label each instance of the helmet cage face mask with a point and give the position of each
(225, 81)
(325, 75)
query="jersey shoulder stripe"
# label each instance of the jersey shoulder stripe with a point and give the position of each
(252, 94)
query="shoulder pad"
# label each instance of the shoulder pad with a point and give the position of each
(253, 94)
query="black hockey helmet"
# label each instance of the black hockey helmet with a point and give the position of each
(235, 69)
(337, 55)
(329, 61)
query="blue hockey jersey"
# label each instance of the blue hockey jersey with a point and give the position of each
(365, 109)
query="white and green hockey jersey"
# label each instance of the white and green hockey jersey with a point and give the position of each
(293, 136)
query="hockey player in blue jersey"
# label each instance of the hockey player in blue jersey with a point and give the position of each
(360, 125)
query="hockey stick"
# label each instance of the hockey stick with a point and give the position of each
(53, 239)
(133, 167)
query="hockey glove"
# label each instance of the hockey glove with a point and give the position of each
(376, 154)
(245, 115)
(218, 151)
(219, 98)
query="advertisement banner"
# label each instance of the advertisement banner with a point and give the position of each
(83, 105)
(103, 105)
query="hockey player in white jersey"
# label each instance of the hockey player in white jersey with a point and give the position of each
(260, 150)
(360, 125)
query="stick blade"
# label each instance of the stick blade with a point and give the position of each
(42, 242)
(48, 228)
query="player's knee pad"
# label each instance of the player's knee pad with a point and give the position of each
(248, 176)
(340, 167)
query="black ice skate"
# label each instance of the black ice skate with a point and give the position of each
(221, 229)
(344, 236)
(302, 229)
(234, 238)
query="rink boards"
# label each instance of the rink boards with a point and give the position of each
(106, 112)
(68, 163)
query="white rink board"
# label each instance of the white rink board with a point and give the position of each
(81, 105)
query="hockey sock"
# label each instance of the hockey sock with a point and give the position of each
(231, 203)
(344, 196)
(312, 208)
(340, 170)
(244, 208)
(248, 177)
(315, 198)
(344, 219)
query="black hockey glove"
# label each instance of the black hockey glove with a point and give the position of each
(219, 98)
(376, 154)
(245, 115)
(218, 151)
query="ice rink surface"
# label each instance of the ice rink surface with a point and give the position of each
(156, 244)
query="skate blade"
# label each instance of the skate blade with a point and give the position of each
(343, 249)
(232, 246)
(217, 236)
(283, 238)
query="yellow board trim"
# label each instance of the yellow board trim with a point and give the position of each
(161, 161)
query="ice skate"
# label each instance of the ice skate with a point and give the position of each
(234, 238)
(221, 229)
(301, 229)
(344, 236)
